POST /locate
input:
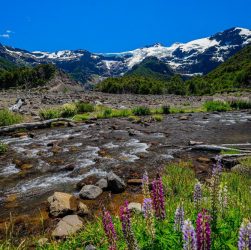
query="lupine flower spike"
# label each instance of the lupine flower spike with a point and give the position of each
(244, 242)
(189, 236)
(179, 218)
(223, 198)
(203, 231)
(126, 227)
(158, 198)
(215, 185)
(145, 186)
(109, 229)
(149, 216)
(197, 196)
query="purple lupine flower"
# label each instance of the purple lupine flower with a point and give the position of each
(203, 231)
(149, 217)
(109, 230)
(179, 218)
(158, 198)
(125, 219)
(145, 185)
(217, 167)
(197, 196)
(244, 242)
(189, 236)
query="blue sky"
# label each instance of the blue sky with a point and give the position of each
(115, 25)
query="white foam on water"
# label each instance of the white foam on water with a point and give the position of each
(9, 170)
(110, 145)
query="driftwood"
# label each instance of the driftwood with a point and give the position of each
(216, 148)
(32, 125)
(17, 106)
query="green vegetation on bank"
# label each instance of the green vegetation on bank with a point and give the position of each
(232, 75)
(9, 118)
(3, 148)
(230, 202)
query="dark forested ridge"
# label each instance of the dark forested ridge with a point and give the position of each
(12, 76)
(231, 75)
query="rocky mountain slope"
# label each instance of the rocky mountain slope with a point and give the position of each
(195, 57)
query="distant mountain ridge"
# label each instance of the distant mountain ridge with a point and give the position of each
(197, 57)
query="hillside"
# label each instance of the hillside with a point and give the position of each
(234, 74)
(45, 76)
(151, 67)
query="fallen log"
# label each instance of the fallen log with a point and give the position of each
(216, 148)
(32, 125)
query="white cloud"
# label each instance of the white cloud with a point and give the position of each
(5, 35)
(9, 31)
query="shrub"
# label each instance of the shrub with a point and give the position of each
(107, 113)
(3, 148)
(8, 118)
(141, 111)
(219, 106)
(165, 109)
(52, 113)
(83, 107)
(68, 110)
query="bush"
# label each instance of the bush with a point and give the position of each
(68, 110)
(8, 118)
(141, 111)
(165, 109)
(107, 113)
(3, 148)
(83, 107)
(52, 113)
(219, 106)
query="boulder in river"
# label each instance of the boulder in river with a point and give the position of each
(90, 192)
(68, 225)
(102, 183)
(115, 183)
(62, 204)
(135, 206)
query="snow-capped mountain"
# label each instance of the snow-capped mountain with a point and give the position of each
(195, 57)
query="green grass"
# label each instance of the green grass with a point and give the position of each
(219, 106)
(3, 148)
(9, 118)
(51, 113)
(230, 152)
(157, 117)
(240, 104)
(83, 107)
(140, 111)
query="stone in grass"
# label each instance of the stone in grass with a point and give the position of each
(135, 206)
(68, 225)
(90, 192)
(62, 204)
(90, 247)
(115, 183)
(83, 209)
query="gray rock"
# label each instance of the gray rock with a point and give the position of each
(102, 183)
(135, 206)
(62, 204)
(70, 224)
(90, 247)
(90, 192)
(115, 183)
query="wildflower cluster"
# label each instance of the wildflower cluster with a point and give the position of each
(125, 219)
(158, 198)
